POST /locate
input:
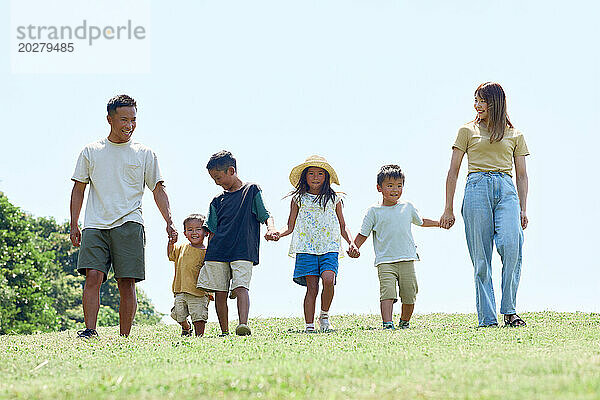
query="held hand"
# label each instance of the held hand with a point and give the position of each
(353, 251)
(272, 235)
(524, 220)
(447, 220)
(75, 236)
(172, 233)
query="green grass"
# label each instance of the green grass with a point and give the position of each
(441, 357)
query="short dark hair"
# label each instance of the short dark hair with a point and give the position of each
(121, 100)
(194, 217)
(392, 171)
(221, 161)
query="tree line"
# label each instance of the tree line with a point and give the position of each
(40, 288)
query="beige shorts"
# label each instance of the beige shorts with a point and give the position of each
(188, 304)
(399, 275)
(217, 276)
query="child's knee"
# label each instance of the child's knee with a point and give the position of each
(328, 278)
(312, 288)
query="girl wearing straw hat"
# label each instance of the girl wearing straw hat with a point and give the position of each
(317, 223)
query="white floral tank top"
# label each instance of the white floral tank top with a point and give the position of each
(317, 230)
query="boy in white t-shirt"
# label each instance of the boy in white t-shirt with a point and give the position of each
(395, 249)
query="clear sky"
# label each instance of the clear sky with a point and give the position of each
(361, 83)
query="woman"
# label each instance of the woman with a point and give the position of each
(492, 209)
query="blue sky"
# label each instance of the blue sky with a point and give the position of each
(361, 83)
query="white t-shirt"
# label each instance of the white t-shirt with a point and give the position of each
(392, 237)
(116, 173)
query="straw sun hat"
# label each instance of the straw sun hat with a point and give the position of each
(313, 161)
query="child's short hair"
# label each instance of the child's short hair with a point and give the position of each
(194, 217)
(221, 161)
(392, 171)
(121, 100)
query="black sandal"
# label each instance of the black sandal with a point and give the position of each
(513, 320)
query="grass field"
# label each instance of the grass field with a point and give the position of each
(440, 357)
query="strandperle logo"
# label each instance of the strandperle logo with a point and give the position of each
(85, 31)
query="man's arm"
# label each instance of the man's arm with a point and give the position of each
(162, 202)
(77, 195)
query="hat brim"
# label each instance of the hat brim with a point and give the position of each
(297, 171)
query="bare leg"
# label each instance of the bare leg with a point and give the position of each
(91, 297)
(310, 299)
(127, 304)
(387, 309)
(222, 310)
(185, 325)
(199, 327)
(328, 278)
(407, 310)
(243, 303)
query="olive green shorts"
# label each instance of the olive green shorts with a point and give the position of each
(399, 275)
(121, 248)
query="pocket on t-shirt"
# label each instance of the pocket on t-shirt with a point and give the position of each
(133, 174)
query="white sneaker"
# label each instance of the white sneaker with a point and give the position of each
(324, 323)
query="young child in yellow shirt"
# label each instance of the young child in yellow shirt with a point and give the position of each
(189, 258)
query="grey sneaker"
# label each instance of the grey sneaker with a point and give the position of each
(87, 334)
(242, 330)
(324, 323)
(403, 324)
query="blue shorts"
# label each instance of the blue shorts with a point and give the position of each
(312, 264)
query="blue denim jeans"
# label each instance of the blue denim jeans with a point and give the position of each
(491, 213)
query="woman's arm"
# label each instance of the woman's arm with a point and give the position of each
(291, 220)
(522, 187)
(447, 219)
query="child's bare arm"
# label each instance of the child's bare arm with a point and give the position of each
(344, 230)
(427, 223)
(291, 220)
(272, 233)
(359, 240)
(170, 245)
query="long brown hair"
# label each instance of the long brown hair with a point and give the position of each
(326, 194)
(497, 122)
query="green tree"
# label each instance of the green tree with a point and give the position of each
(25, 275)
(40, 288)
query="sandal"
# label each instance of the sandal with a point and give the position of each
(513, 320)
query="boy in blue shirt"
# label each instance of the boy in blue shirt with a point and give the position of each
(395, 250)
(234, 219)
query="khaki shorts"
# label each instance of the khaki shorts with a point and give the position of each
(188, 304)
(399, 275)
(121, 248)
(216, 276)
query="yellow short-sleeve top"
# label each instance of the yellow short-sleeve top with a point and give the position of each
(484, 156)
(188, 261)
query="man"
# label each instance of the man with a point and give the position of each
(117, 170)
